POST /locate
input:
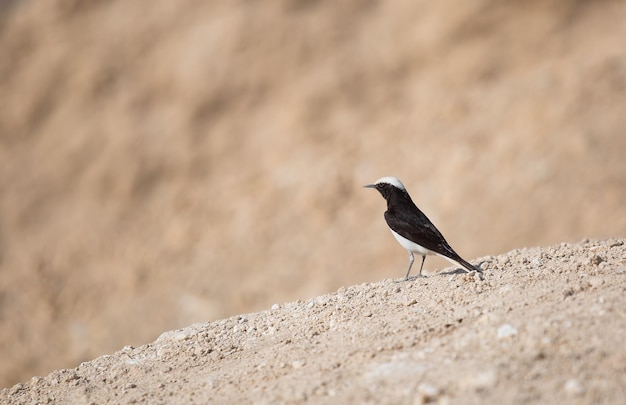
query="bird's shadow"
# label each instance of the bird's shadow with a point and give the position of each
(443, 273)
(451, 272)
(412, 278)
(463, 271)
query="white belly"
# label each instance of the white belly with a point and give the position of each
(420, 250)
(412, 246)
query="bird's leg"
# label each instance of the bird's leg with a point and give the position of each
(410, 265)
(422, 266)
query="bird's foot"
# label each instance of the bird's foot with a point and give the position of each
(412, 278)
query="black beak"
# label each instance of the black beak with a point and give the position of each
(370, 186)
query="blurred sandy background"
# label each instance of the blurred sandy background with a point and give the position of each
(164, 163)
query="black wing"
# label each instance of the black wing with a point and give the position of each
(419, 229)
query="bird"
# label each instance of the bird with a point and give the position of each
(412, 229)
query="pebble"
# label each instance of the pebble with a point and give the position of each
(480, 380)
(428, 392)
(596, 260)
(506, 331)
(36, 380)
(596, 282)
(574, 387)
(503, 260)
(298, 363)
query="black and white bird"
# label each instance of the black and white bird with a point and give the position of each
(412, 229)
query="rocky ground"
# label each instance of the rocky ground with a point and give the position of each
(540, 325)
(165, 163)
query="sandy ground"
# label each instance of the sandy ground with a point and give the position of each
(541, 325)
(164, 163)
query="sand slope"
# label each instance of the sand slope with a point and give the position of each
(543, 325)
(164, 163)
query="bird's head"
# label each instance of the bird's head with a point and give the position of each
(387, 186)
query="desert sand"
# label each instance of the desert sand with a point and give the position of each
(171, 163)
(540, 325)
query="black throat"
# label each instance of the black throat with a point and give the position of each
(396, 198)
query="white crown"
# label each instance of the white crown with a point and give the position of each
(391, 180)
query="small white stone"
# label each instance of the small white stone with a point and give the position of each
(429, 392)
(480, 380)
(596, 282)
(506, 331)
(36, 380)
(211, 382)
(298, 363)
(275, 307)
(574, 387)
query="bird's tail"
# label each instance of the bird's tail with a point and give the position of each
(469, 266)
(465, 264)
